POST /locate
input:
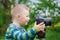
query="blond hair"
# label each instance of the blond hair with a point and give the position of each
(18, 9)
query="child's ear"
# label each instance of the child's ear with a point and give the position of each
(18, 16)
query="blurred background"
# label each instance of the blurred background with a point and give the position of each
(46, 8)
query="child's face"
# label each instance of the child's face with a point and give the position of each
(24, 18)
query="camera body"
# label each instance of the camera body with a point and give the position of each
(47, 22)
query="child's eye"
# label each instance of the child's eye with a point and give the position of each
(27, 16)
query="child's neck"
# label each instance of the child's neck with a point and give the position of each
(16, 23)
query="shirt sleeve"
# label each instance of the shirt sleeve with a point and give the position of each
(22, 36)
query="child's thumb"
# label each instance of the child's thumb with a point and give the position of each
(35, 22)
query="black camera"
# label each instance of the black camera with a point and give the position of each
(47, 22)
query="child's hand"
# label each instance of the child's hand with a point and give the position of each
(39, 27)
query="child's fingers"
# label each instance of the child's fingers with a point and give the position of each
(41, 23)
(44, 25)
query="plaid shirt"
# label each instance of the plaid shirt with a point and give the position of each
(19, 33)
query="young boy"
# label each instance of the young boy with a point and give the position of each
(20, 17)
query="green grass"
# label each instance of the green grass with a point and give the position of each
(52, 35)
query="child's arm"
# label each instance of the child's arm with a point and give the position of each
(22, 36)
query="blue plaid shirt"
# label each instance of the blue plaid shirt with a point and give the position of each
(19, 33)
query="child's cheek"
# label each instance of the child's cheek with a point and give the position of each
(23, 20)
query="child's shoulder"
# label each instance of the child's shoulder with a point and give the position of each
(10, 26)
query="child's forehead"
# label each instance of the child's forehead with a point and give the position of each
(26, 14)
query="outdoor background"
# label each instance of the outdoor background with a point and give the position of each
(46, 8)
